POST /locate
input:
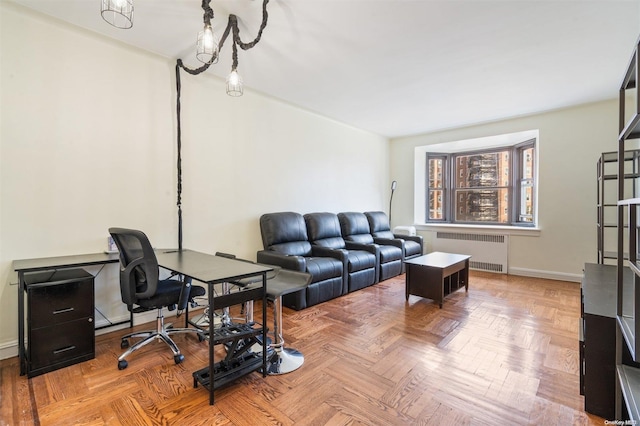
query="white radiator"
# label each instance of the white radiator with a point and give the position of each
(489, 252)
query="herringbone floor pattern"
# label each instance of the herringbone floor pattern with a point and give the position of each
(506, 353)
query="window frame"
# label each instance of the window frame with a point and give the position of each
(516, 182)
(445, 184)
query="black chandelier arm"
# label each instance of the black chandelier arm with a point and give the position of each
(208, 12)
(179, 161)
(232, 25)
(236, 30)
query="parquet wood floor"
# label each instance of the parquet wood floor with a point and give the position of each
(506, 353)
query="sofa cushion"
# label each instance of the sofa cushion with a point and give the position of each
(295, 248)
(355, 227)
(411, 248)
(282, 227)
(324, 230)
(379, 224)
(324, 268)
(390, 253)
(360, 259)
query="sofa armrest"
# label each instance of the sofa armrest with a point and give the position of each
(371, 248)
(416, 238)
(293, 263)
(321, 251)
(389, 242)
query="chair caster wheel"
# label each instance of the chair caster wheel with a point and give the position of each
(178, 358)
(200, 337)
(122, 364)
(124, 344)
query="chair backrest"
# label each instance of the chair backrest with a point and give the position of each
(379, 224)
(324, 230)
(286, 233)
(355, 227)
(138, 265)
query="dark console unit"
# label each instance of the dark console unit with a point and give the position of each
(60, 319)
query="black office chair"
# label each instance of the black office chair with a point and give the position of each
(142, 290)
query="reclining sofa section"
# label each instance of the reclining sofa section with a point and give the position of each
(338, 262)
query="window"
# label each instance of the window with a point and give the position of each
(437, 174)
(494, 186)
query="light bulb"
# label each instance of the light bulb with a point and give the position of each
(207, 38)
(207, 47)
(233, 78)
(234, 84)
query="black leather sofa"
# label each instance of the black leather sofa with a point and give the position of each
(286, 244)
(361, 260)
(380, 229)
(287, 239)
(355, 228)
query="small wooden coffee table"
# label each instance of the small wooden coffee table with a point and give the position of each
(436, 275)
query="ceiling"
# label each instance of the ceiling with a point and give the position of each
(400, 67)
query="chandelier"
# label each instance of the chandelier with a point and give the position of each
(119, 13)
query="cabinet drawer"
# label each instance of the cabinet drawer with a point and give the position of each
(54, 304)
(60, 343)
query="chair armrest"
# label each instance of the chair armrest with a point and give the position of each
(321, 251)
(416, 238)
(126, 278)
(184, 296)
(371, 248)
(389, 242)
(294, 263)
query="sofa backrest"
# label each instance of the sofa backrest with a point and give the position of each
(286, 233)
(355, 227)
(379, 224)
(324, 230)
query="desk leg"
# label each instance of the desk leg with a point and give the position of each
(21, 354)
(211, 344)
(265, 346)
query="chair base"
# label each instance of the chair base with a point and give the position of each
(160, 333)
(284, 361)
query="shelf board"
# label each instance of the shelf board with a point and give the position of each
(614, 255)
(612, 156)
(626, 176)
(626, 327)
(629, 202)
(629, 379)
(632, 129)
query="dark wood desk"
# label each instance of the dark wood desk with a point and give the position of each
(436, 275)
(206, 268)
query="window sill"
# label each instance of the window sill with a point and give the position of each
(483, 229)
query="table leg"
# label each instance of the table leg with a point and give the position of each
(442, 284)
(21, 354)
(466, 276)
(406, 281)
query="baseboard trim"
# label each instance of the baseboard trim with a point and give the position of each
(550, 275)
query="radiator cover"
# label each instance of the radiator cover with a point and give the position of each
(489, 252)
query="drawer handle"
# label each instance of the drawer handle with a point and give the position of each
(68, 348)
(62, 311)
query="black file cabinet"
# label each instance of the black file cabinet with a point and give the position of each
(60, 319)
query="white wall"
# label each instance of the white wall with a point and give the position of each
(87, 141)
(570, 143)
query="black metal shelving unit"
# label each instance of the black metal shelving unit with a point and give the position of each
(628, 291)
